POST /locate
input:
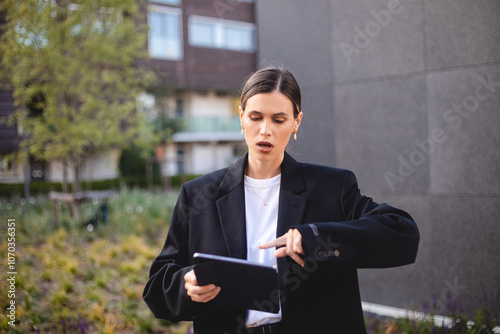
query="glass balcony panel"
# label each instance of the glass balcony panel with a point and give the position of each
(210, 124)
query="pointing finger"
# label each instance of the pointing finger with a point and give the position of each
(281, 241)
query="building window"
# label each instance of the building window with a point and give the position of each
(165, 34)
(221, 34)
(179, 108)
(181, 160)
(202, 34)
(6, 168)
(238, 38)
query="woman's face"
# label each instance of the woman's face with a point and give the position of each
(268, 122)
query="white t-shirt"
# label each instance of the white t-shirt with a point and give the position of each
(261, 224)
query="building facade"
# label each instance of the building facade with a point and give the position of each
(202, 52)
(406, 94)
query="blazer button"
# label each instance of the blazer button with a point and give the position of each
(336, 253)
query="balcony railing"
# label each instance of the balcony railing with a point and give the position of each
(207, 129)
(209, 124)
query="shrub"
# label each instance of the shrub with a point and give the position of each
(15, 191)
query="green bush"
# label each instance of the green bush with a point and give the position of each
(132, 162)
(12, 190)
(9, 190)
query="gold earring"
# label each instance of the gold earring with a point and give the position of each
(295, 135)
(242, 130)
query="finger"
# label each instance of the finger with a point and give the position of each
(202, 295)
(280, 252)
(191, 284)
(191, 277)
(296, 257)
(206, 297)
(281, 241)
(290, 244)
(297, 242)
(199, 290)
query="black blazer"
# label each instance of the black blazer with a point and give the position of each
(341, 230)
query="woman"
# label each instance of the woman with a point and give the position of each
(310, 220)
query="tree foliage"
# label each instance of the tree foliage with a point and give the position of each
(76, 62)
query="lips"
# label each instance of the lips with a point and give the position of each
(264, 146)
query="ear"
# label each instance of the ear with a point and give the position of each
(298, 120)
(241, 113)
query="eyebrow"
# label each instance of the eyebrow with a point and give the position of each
(281, 113)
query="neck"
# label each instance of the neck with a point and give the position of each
(263, 169)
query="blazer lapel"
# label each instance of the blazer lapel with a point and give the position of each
(291, 204)
(231, 209)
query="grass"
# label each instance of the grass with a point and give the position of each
(71, 280)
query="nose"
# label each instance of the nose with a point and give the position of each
(265, 130)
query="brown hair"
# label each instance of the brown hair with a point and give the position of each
(271, 79)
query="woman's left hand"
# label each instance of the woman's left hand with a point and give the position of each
(292, 240)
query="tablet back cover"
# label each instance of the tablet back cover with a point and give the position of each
(244, 284)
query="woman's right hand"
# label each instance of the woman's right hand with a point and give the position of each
(200, 294)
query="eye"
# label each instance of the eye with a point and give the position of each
(279, 121)
(253, 118)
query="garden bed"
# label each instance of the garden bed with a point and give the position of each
(72, 280)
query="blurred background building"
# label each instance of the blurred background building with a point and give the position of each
(406, 93)
(202, 50)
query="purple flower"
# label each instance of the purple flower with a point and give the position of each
(63, 324)
(426, 308)
(434, 303)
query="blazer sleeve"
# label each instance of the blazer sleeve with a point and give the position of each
(164, 292)
(372, 235)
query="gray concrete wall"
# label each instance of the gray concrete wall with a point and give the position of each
(407, 95)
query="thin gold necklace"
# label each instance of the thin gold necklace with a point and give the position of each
(263, 200)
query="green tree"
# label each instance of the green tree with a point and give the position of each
(76, 62)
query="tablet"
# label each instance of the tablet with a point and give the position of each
(244, 284)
